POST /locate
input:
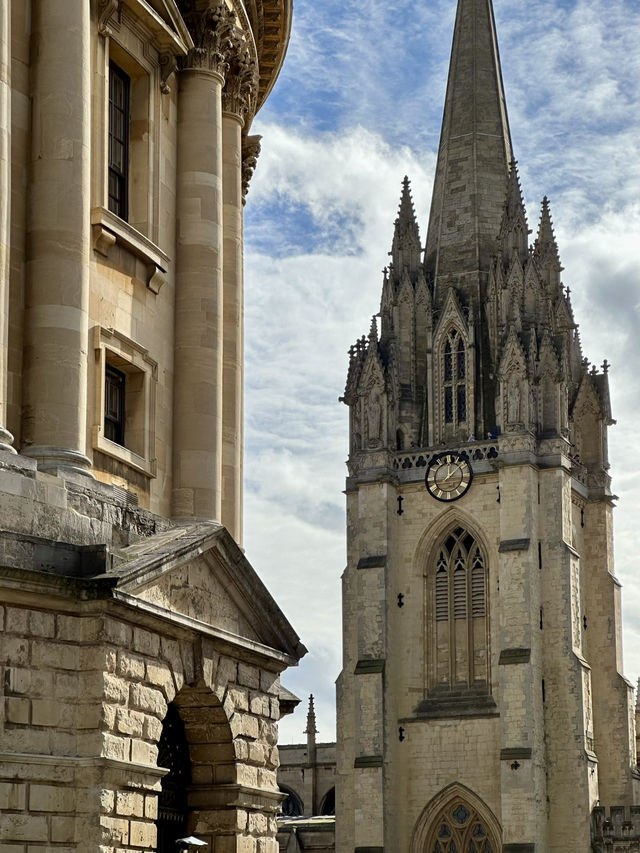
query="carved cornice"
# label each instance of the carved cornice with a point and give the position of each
(214, 36)
(250, 154)
(241, 84)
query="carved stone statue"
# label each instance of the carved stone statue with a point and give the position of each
(513, 400)
(374, 411)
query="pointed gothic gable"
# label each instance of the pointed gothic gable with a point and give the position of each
(198, 572)
(563, 314)
(587, 399)
(548, 361)
(514, 360)
(452, 315)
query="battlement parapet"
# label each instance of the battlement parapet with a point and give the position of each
(615, 829)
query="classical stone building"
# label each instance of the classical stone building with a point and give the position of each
(140, 654)
(481, 704)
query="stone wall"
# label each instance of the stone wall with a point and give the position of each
(85, 688)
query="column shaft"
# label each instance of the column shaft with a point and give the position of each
(6, 438)
(197, 425)
(57, 300)
(233, 329)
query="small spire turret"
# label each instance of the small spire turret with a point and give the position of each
(545, 249)
(514, 229)
(406, 248)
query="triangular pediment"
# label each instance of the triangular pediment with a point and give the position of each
(198, 572)
(164, 19)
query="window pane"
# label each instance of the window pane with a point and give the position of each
(461, 361)
(119, 93)
(462, 403)
(448, 405)
(448, 364)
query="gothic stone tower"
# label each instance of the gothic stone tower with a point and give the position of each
(481, 705)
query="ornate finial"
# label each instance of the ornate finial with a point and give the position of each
(605, 366)
(250, 154)
(594, 370)
(311, 718)
(373, 331)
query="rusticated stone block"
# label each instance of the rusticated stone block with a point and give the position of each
(129, 803)
(17, 711)
(12, 796)
(23, 827)
(248, 676)
(130, 666)
(146, 642)
(51, 798)
(114, 831)
(148, 699)
(14, 651)
(142, 834)
(129, 722)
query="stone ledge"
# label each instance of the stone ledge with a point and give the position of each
(369, 667)
(368, 761)
(514, 545)
(518, 848)
(369, 850)
(513, 656)
(107, 229)
(512, 753)
(379, 562)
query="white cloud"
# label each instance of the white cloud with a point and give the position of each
(341, 130)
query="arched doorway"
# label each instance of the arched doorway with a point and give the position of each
(173, 753)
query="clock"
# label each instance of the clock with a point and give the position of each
(448, 476)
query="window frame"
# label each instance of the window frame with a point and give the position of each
(116, 352)
(445, 610)
(120, 173)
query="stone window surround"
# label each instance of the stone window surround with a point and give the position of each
(139, 42)
(125, 354)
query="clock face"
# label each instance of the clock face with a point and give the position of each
(448, 476)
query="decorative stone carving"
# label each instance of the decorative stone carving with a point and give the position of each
(106, 10)
(168, 66)
(374, 412)
(241, 84)
(213, 33)
(250, 154)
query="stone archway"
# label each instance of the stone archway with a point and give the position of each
(196, 733)
(456, 821)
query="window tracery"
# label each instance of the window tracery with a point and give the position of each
(458, 610)
(454, 379)
(460, 829)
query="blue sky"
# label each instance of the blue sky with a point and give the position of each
(358, 105)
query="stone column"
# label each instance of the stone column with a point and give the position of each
(197, 421)
(6, 439)
(239, 90)
(57, 300)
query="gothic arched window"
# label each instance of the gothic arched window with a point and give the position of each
(454, 380)
(292, 804)
(458, 623)
(460, 829)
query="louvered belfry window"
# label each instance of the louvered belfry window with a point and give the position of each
(454, 379)
(459, 612)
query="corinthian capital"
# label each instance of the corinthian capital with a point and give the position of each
(250, 154)
(241, 83)
(213, 34)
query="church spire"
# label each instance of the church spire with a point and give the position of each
(473, 159)
(546, 248)
(406, 249)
